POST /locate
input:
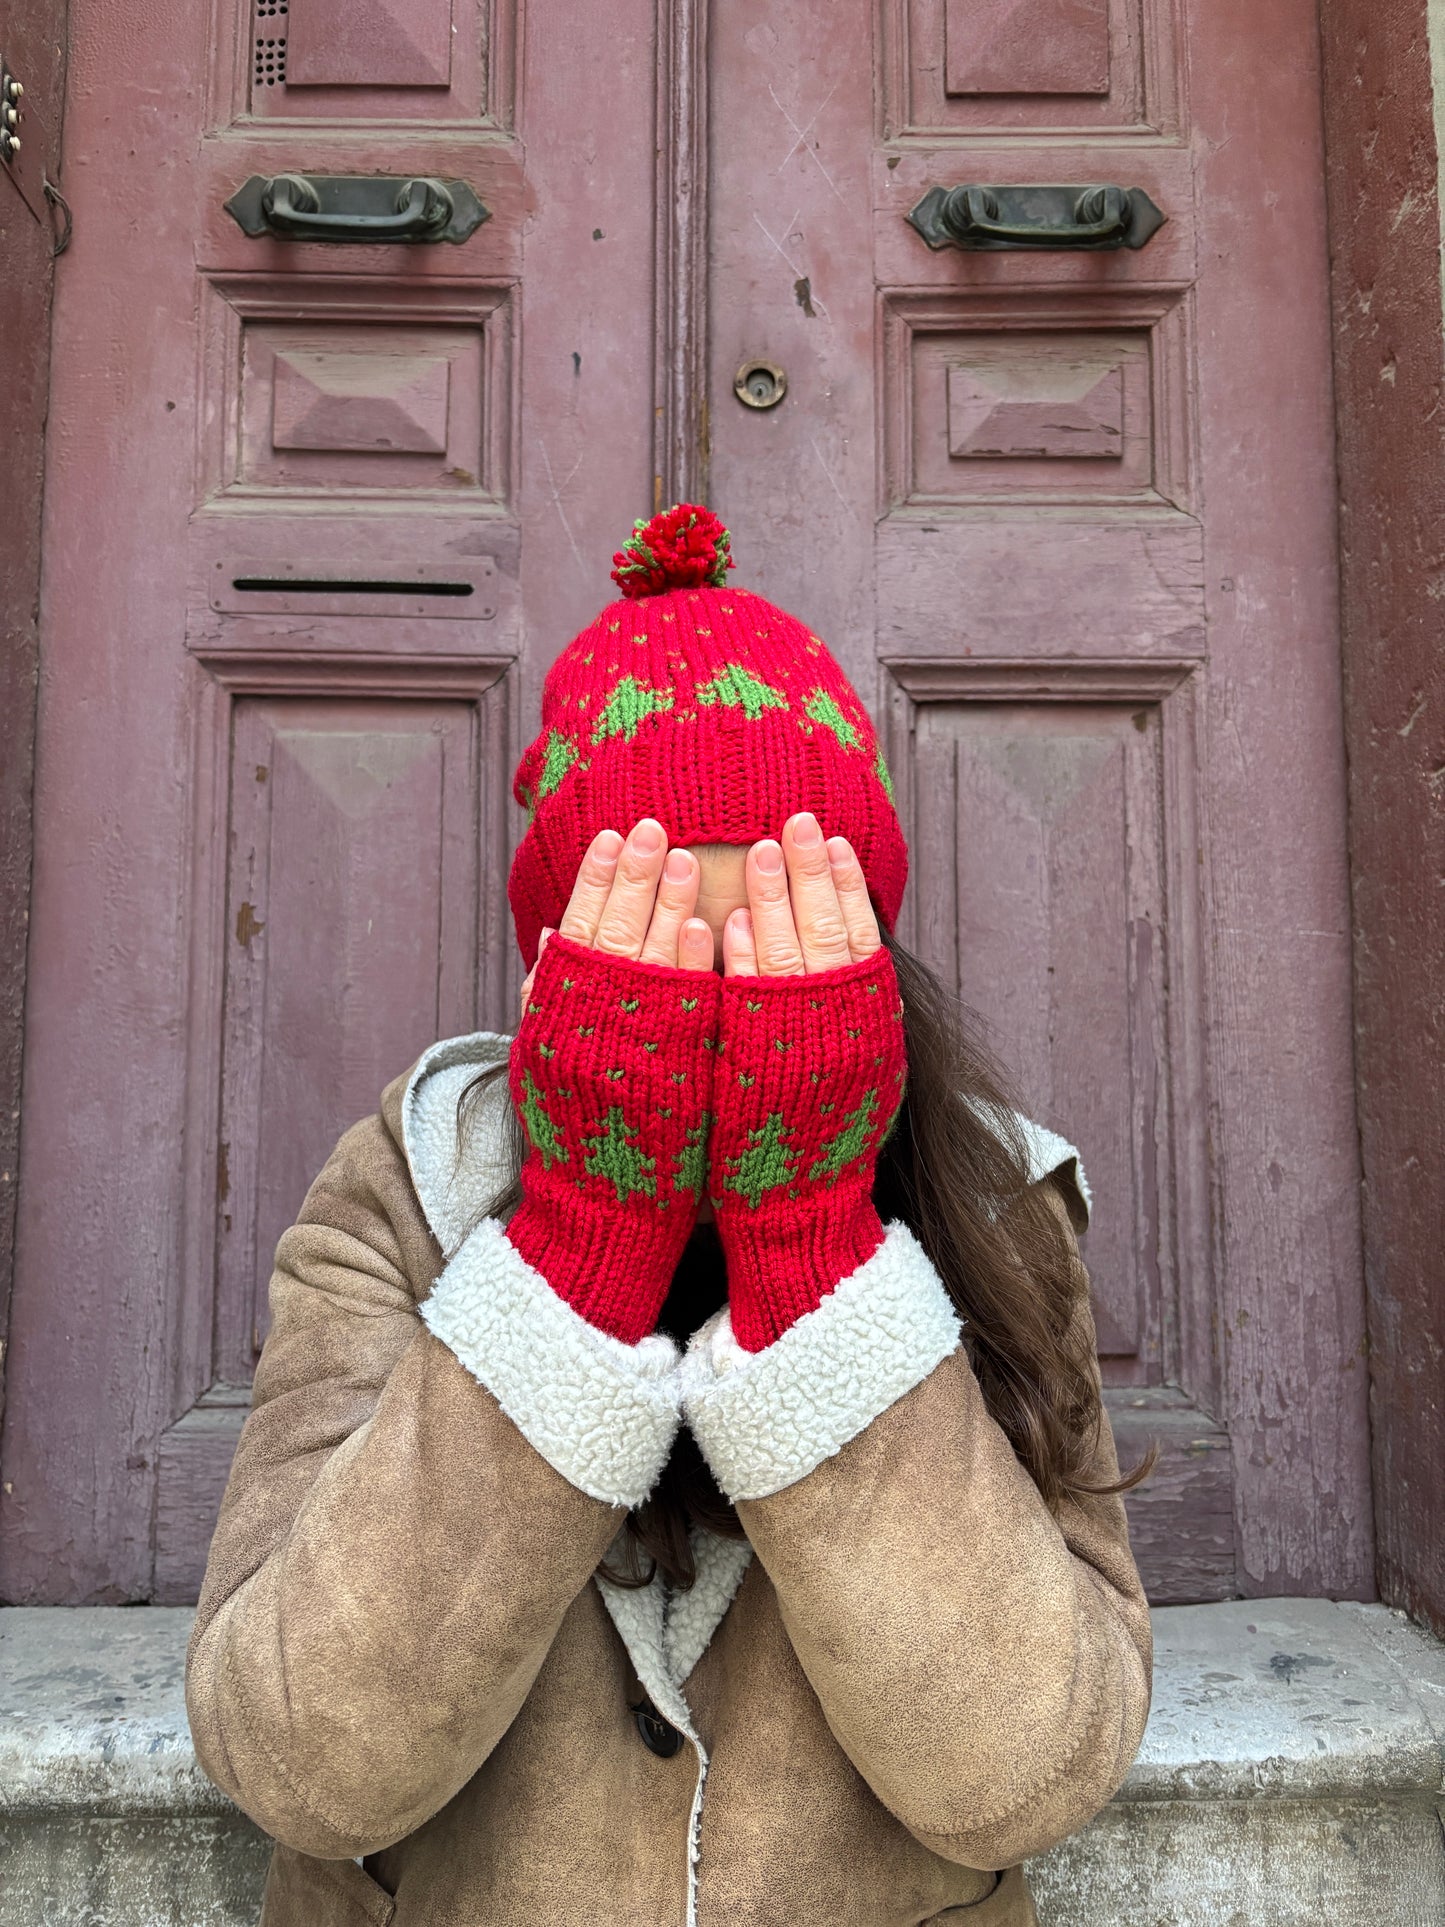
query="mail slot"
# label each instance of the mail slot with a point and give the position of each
(264, 586)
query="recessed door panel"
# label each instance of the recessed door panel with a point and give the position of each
(1041, 863)
(1006, 412)
(369, 43)
(1025, 47)
(361, 407)
(354, 60)
(965, 67)
(352, 914)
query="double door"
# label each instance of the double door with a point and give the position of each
(321, 511)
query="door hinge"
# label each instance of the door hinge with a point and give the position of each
(22, 142)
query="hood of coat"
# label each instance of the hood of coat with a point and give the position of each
(421, 1111)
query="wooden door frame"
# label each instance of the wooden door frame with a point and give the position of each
(1382, 171)
(33, 45)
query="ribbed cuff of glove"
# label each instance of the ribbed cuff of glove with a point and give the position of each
(809, 1077)
(611, 1074)
(783, 1263)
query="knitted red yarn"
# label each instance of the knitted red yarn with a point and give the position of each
(611, 1071)
(683, 549)
(705, 707)
(809, 1078)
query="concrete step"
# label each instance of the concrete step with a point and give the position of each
(1292, 1776)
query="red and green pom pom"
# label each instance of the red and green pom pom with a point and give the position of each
(687, 547)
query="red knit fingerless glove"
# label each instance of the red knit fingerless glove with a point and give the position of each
(611, 1072)
(809, 1077)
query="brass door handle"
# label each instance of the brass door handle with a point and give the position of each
(975, 216)
(358, 208)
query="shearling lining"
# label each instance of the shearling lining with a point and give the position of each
(603, 1413)
(767, 1419)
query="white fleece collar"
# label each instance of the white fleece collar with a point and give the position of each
(666, 1633)
(451, 1196)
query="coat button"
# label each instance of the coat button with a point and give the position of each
(659, 1736)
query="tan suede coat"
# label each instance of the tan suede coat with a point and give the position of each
(404, 1669)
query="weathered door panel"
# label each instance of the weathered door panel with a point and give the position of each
(351, 855)
(319, 516)
(1068, 515)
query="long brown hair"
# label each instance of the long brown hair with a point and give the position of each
(955, 1169)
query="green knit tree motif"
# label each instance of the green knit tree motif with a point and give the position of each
(821, 707)
(558, 757)
(738, 688)
(615, 1156)
(765, 1164)
(880, 770)
(625, 708)
(851, 1142)
(691, 1160)
(543, 1133)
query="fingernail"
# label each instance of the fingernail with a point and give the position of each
(839, 849)
(678, 867)
(607, 851)
(647, 836)
(769, 857)
(547, 931)
(806, 833)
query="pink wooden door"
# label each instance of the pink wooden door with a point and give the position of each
(274, 822)
(1067, 518)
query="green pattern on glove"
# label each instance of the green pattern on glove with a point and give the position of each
(615, 1157)
(691, 1160)
(811, 1078)
(766, 1163)
(850, 1142)
(541, 1130)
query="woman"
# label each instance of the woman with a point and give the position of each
(676, 1488)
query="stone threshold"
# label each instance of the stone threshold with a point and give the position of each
(1292, 1776)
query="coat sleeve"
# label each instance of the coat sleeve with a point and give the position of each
(419, 1493)
(983, 1662)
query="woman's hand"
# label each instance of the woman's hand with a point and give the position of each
(635, 898)
(808, 906)
(809, 1077)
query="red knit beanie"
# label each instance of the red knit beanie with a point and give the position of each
(706, 707)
